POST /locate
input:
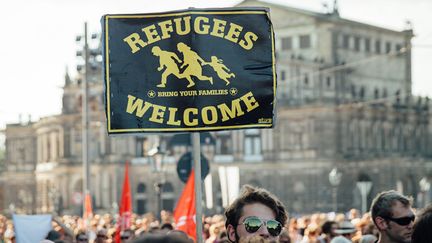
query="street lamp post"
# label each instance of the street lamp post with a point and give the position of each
(335, 177)
(157, 163)
(11, 209)
(84, 117)
(54, 196)
(158, 188)
(424, 188)
(90, 57)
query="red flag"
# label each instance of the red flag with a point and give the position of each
(88, 211)
(125, 213)
(185, 212)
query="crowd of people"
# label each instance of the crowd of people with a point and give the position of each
(256, 216)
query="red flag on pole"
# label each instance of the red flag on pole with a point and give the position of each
(88, 211)
(125, 213)
(185, 212)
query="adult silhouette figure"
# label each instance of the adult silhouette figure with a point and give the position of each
(194, 64)
(166, 59)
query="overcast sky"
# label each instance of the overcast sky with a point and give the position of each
(38, 41)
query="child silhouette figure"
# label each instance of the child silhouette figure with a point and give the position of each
(220, 69)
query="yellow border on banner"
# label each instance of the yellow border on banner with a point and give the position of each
(189, 129)
(274, 67)
(185, 13)
(107, 71)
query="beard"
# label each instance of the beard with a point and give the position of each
(397, 238)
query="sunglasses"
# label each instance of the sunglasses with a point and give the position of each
(253, 224)
(126, 237)
(403, 220)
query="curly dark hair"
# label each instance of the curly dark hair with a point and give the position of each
(326, 227)
(422, 227)
(250, 195)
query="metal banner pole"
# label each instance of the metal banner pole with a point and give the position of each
(85, 121)
(196, 147)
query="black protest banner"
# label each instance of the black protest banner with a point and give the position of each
(192, 70)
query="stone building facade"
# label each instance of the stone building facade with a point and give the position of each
(344, 101)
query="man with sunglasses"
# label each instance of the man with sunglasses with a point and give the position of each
(393, 216)
(255, 212)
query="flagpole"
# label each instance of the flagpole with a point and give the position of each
(196, 147)
(85, 122)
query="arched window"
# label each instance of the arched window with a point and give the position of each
(377, 136)
(328, 82)
(383, 139)
(384, 93)
(306, 80)
(362, 93)
(396, 135)
(78, 186)
(141, 198)
(141, 188)
(353, 91)
(363, 135)
(252, 144)
(168, 196)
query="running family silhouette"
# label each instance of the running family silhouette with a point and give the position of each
(193, 63)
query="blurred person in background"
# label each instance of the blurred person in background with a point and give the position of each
(303, 222)
(423, 226)
(368, 239)
(2, 227)
(311, 234)
(328, 231)
(166, 217)
(101, 236)
(293, 230)
(158, 238)
(346, 229)
(127, 235)
(340, 239)
(353, 214)
(214, 232)
(53, 235)
(165, 228)
(284, 237)
(81, 237)
(144, 224)
(368, 227)
(316, 219)
(340, 217)
(9, 232)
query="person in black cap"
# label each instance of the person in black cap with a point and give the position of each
(346, 231)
